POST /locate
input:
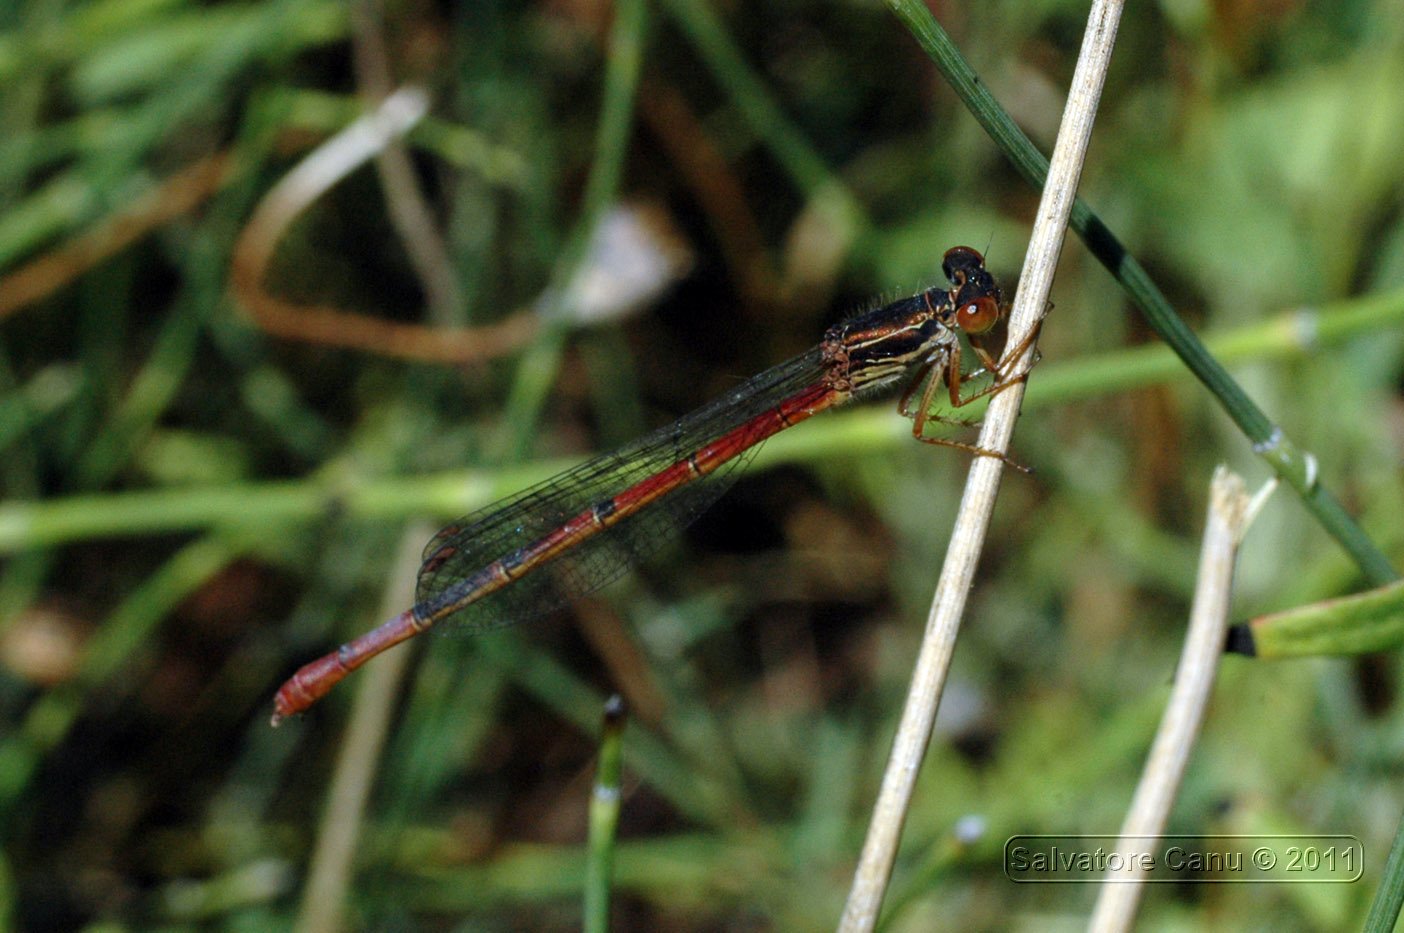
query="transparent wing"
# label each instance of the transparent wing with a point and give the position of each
(466, 546)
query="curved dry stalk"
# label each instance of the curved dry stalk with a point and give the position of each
(320, 170)
(325, 167)
(972, 521)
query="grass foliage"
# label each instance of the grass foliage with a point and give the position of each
(192, 507)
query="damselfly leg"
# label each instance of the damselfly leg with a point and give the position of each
(944, 368)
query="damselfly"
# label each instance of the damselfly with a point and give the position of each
(577, 531)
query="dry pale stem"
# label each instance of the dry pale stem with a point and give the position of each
(1229, 512)
(914, 730)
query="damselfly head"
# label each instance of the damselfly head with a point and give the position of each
(960, 262)
(974, 294)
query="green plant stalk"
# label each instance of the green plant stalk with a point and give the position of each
(537, 371)
(604, 819)
(1350, 625)
(1389, 897)
(152, 392)
(1292, 465)
(703, 791)
(26, 525)
(844, 217)
(700, 23)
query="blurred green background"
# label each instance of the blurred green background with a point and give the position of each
(193, 507)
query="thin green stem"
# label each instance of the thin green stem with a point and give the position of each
(537, 371)
(604, 819)
(748, 93)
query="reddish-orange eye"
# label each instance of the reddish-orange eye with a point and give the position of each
(978, 316)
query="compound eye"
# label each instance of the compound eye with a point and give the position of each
(978, 316)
